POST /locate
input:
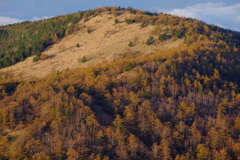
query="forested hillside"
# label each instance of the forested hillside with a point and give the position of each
(181, 103)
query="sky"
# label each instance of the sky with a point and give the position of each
(224, 13)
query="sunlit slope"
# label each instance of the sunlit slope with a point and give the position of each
(99, 39)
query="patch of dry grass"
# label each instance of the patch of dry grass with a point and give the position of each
(105, 41)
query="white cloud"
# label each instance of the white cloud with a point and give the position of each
(8, 20)
(39, 18)
(213, 13)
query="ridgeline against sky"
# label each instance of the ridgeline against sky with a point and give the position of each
(223, 13)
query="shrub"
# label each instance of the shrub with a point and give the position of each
(162, 37)
(130, 44)
(150, 41)
(128, 66)
(116, 21)
(129, 21)
(36, 58)
(89, 30)
(143, 24)
(84, 59)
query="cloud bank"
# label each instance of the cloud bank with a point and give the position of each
(213, 13)
(8, 20)
(39, 18)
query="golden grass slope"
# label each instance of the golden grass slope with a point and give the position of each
(106, 41)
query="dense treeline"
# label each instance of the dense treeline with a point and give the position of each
(177, 104)
(20, 41)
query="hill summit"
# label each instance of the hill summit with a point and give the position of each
(99, 35)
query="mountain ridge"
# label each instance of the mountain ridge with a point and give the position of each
(138, 21)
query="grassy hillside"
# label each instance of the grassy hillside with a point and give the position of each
(99, 39)
(19, 41)
(108, 33)
(178, 103)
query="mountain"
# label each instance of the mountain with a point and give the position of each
(123, 84)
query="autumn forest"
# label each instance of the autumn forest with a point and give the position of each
(175, 104)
